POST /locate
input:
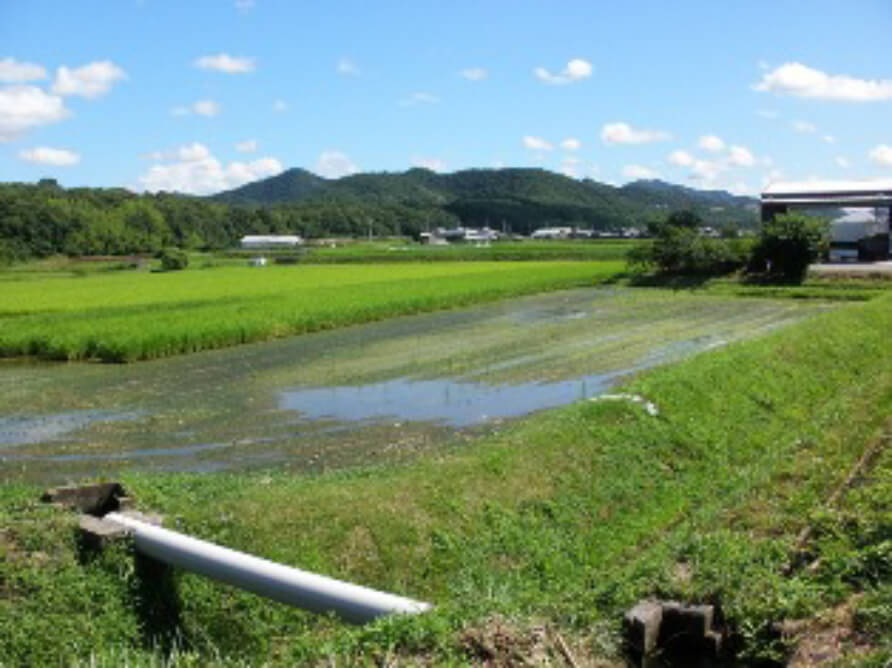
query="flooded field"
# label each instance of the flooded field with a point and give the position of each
(357, 395)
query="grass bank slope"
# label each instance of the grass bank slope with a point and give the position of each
(125, 317)
(559, 522)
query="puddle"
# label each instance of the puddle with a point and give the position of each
(447, 402)
(391, 389)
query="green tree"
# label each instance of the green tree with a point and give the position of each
(174, 259)
(788, 243)
(679, 248)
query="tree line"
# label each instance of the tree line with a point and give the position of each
(46, 219)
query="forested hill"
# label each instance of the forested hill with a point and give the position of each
(44, 218)
(520, 198)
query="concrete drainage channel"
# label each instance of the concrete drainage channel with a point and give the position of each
(106, 517)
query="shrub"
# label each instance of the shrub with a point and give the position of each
(679, 248)
(789, 243)
(174, 259)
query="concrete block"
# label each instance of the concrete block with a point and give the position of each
(641, 625)
(713, 644)
(97, 532)
(148, 518)
(95, 499)
(684, 627)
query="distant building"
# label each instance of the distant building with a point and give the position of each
(271, 241)
(850, 239)
(552, 233)
(432, 239)
(464, 234)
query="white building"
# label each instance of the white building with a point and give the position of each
(552, 233)
(271, 241)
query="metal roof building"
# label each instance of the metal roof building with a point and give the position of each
(781, 197)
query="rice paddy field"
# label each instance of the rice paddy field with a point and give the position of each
(137, 316)
(761, 483)
(596, 250)
(380, 392)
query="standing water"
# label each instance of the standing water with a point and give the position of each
(356, 395)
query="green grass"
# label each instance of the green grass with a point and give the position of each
(562, 520)
(130, 316)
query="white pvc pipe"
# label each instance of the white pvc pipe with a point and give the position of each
(303, 589)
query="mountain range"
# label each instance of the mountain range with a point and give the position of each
(476, 196)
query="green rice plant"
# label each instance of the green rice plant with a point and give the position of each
(597, 250)
(123, 318)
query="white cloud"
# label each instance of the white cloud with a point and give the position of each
(829, 139)
(200, 108)
(639, 172)
(433, 164)
(206, 108)
(247, 146)
(12, 71)
(223, 62)
(681, 158)
(804, 127)
(842, 161)
(882, 155)
(571, 144)
(711, 143)
(90, 81)
(741, 156)
(334, 165)
(802, 81)
(570, 171)
(192, 152)
(623, 133)
(739, 188)
(244, 5)
(570, 166)
(196, 171)
(347, 68)
(279, 106)
(185, 153)
(707, 170)
(575, 70)
(772, 176)
(43, 155)
(25, 107)
(474, 73)
(419, 98)
(536, 143)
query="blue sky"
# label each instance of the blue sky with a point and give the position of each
(204, 95)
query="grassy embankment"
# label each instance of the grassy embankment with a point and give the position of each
(132, 316)
(559, 522)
